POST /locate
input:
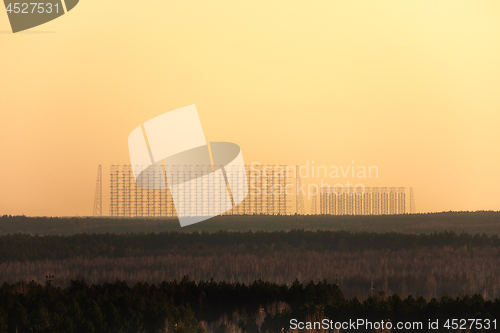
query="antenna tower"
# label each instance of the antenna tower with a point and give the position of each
(313, 205)
(413, 210)
(98, 193)
(299, 199)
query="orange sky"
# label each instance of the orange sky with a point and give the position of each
(409, 86)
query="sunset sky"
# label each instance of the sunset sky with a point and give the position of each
(409, 86)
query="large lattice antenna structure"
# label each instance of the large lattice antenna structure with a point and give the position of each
(98, 193)
(314, 209)
(413, 209)
(299, 198)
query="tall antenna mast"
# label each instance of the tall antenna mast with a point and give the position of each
(313, 204)
(413, 210)
(98, 193)
(299, 199)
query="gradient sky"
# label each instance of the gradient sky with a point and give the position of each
(410, 86)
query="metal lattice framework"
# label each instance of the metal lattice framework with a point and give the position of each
(299, 198)
(267, 191)
(272, 189)
(98, 193)
(362, 201)
(129, 200)
(267, 194)
(314, 201)
(413, 209)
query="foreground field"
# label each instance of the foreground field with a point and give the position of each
(471, 222)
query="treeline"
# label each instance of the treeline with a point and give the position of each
(471, 222)
(98, 308)
(186, 306)
(428, 272)
(20, 247)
